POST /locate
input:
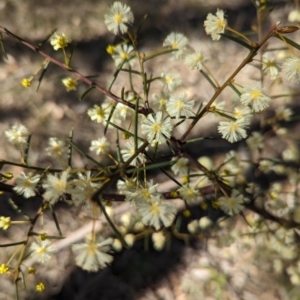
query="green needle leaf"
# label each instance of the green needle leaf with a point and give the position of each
(237, 40)
(86, 92)
(3, 50)
(287, 40)
(40, 44)
(26, 151)
(55, 219)
(45, 68)
(86, 155)
(70, 148)
(112, 225)
(12, 244)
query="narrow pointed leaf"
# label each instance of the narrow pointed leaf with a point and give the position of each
(131, 71)
(180, 122)
(237, 40)
(40, 44)
(160, 165)
(70, 148)
(3, 50)
(112, 225)
(44, 70)
(287, 40)
(235, 89)
(119, 155)
(55, 219)
(141, 25)
(86, 155)
(158, 53)
(26, 151)
(12, 244)
(199, 139)
(86, 92)
(136, 123)
(17, 209)
(208, 79)
(70, 56)
(109, 118)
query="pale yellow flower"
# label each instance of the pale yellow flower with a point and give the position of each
(215, 24)
(40, 287)
(26, 82)
(118, 17)
(59, 41)
(70, 84)
(4, 222)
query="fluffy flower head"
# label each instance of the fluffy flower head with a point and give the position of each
(188, 193)
(232, 131)
(283, 113)
(42, 250)
(291, 68)
(243, 113)
(156, 128)
(123, 55)
(59, 41)
(155, 212)
(159, 101)
(17, 135)
(196, 60)
(92, 256)
(255, 97)
(118, 17)
(178, 42)
(270, 67)
(70, 84)
(177, 106)
(26, 184)
(294, 16)
(122, 112)
(215, 24)
(181, 166)
(56, 186)
(100, 146)
(57, 148)
(255, 141)
(171, 80)
(98, 114)
(130, 151)
(232, 205)
(83, 188)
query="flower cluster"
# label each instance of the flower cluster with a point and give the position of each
(150, 205)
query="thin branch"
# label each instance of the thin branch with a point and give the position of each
(81, 77)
